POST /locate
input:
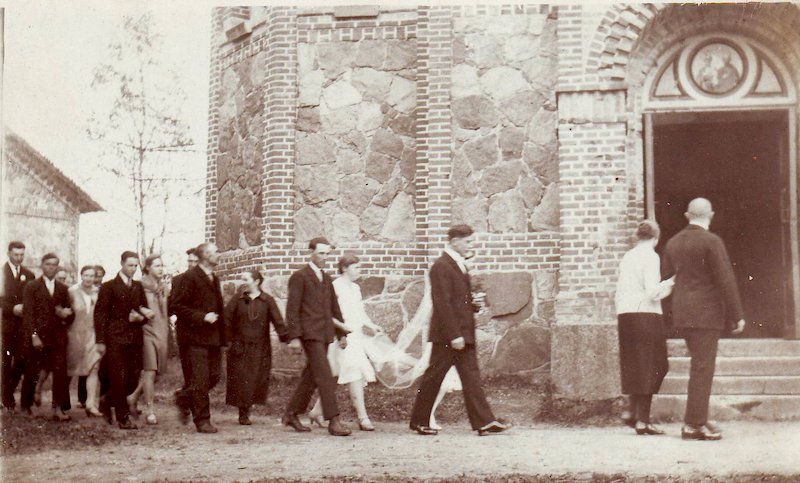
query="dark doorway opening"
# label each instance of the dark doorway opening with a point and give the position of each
(738, 161)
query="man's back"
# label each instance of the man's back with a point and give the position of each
(705, 293)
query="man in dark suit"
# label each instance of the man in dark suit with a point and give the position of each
(705, 303)
(46, 318)
(120, 312)
(191, 260)
(199, 307)
(310, 311)
(15, 276)
(452, 332)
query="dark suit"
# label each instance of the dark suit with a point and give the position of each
(182, 345)
(13, 364)
(197, 296)
(705, 302)
(453, 317)
(310, 310)
(39, 316)
(123, 338)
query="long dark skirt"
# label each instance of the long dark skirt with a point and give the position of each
(642, 352)
(249, 366)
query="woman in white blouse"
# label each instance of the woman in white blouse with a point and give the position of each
(351, 364)
(642, 336)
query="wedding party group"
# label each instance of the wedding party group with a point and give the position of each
(113, 336)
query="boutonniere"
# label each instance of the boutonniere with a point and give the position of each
(22, 278)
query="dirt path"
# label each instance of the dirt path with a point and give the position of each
(267, 450)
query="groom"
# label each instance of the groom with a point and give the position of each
(452, 332)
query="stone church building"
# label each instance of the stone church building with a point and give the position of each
(552, 130)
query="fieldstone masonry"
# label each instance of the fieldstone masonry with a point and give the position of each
(356, 158)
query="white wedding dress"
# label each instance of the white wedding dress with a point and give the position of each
(351, 363)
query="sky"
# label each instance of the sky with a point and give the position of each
(51, 51)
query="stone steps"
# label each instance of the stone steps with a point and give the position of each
(741, 385)
(743, 366)
(754, 378)
(671, 407)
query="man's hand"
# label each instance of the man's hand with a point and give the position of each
(147, 312)
(62, 312)
(458, 343)
(211, 317)
(343, 342)
(37, 342)
(295, 346)
(18, 310)
(135, 316)
(739, 327)
(100, 348)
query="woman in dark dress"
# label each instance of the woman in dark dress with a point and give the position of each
(642, 338)
(250, 350)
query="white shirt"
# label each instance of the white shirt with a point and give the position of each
(14, 270)
(458, 258)
(317, 270)
(639, 286)
(125, 279)
(51, 285)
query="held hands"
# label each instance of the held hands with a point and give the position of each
(135, 316)
(458, 343)
(295, 346)
(147, 312)
(343, 342)
(62, 312)
(37, 342)
(18, 310)
(211, 317)
(739, 327)
(100, 348)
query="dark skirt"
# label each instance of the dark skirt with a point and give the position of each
(249, 366)
(642, 352)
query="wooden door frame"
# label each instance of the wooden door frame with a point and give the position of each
(793, 331)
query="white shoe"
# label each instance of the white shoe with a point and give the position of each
(151, 419)
(435, 425)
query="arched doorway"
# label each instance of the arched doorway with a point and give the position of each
(720, 122)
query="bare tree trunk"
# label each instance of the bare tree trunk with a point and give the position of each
(140, 239)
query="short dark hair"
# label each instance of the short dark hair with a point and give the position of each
(88, 267)
(128, 254)
(16, 245)
(347, 260)
(100, 269)
(192, 251)
(648, 230)
(50, 256)
(459, 231)
(256, 274)
(320, 240)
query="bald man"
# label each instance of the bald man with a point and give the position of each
(705, 304)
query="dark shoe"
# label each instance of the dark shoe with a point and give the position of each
(495, 427)
(108, 411)
(699, 433)
(184, 412)
(27, 412)
(244, 417)
(127, 424)
(206, 427)
(337, 428)
(648, 429)
(423, 430)
(292, 421)
(60, 416)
